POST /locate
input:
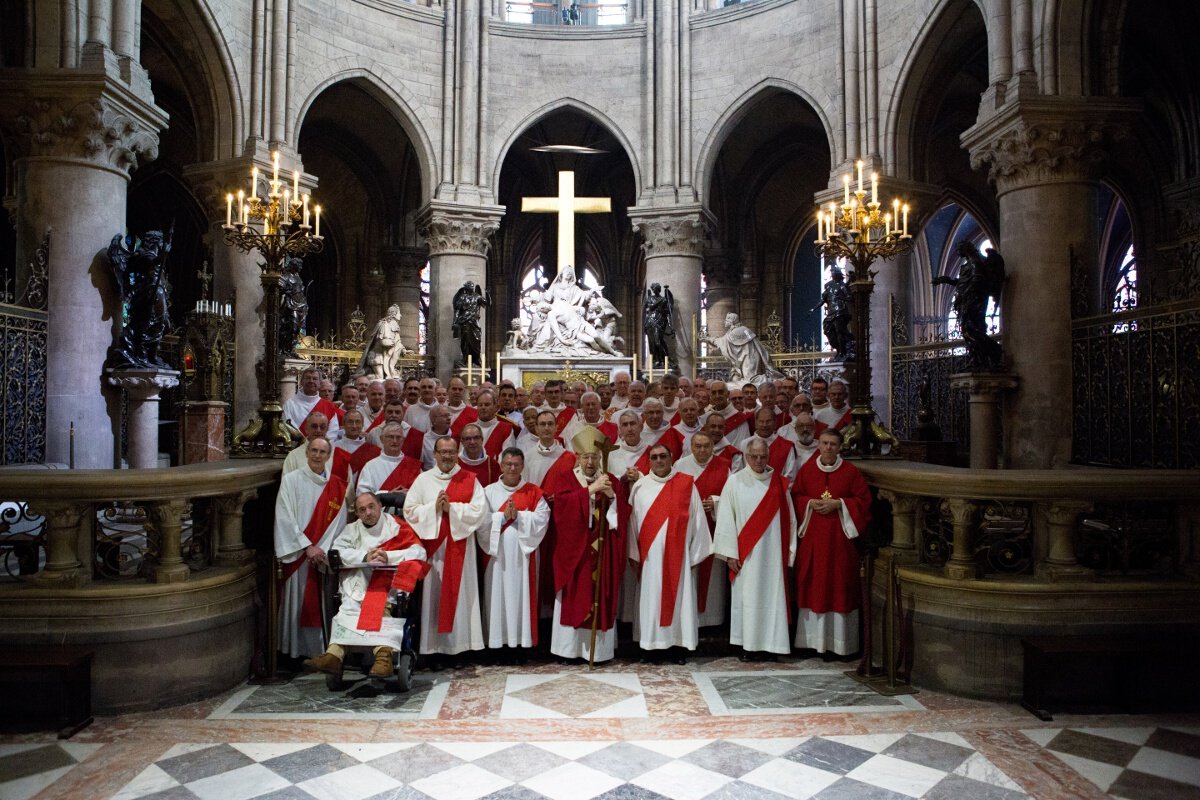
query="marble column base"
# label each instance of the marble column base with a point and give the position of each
(203, 431)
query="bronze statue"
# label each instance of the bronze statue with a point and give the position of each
(979, 278)
(467, 302)
(836, 298)
(293, 311)
(141, 276)
(658, 309)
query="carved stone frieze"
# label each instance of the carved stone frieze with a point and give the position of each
(685, 235)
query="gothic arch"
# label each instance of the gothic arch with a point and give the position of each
(389, 91)
(579, 106)
(737, 111)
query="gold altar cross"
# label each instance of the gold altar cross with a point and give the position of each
(566, 205)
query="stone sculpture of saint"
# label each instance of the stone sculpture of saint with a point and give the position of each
(749, 361)
(384, 348)
(468, 301)
(658, 306)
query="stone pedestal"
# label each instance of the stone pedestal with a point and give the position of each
(143, 388)
(673, 240)
(525, 370)
(984, 393)
(458, 246)
(289, 377)
(202, 428)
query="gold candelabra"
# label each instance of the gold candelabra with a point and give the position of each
(859, 233)
(277, 227)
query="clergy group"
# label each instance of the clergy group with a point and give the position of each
(572, 512)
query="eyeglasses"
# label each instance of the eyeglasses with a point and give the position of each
(660, 457)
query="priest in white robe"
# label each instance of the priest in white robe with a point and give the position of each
(756, 536)
(297, 408)
(519, 516)
(802, 434)
(417, 416)
(316, 426)
(711, 472)
(309, 514)
(391, 470)
(445, 506)
(668, 537)
(544, 454)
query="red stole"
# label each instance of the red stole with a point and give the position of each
(460, 490)
(495, 440)
(359, 458)
(609, 429)
(328, 506)
(413, 443)
(486, 471)
(775, 501)
(711, 482)
(735, 421)
(402, 475)
(671, 439)
(375, 423)
(407, 573)
(670, 507)
(777, 454)
(464, 418)
(339, 464)
(526, 498)
(325, 407)
(844, 420)
(564, 417)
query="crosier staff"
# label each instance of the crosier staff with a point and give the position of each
(591, 439)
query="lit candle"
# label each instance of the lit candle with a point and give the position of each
(820, 225)
(666, 365)
(285, 206)
(317, 232)
(860, 169)
(306, 210)
(887, 224)
(295, 185)
(846, 185)
(875, 188)
(254, 181)
(896, 212)
(245, 215)
(497, 375)
(906, 219)
(241, 206)
(635, 370)
(229, 209)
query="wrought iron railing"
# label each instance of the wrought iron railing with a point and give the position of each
(1136, 387)
(933, 362)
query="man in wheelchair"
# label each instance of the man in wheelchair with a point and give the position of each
(381, 560)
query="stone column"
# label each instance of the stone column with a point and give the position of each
(78, 134)
(904, 525)
(66, 563)
(231, 550)
(372, 296)
(1060, 563)
(673, 241)
(723, 275)
(402, 270)
(961, 565)
(1042, 154)
(458, 238)
(168, 525)
(143, 388)
(984, 392)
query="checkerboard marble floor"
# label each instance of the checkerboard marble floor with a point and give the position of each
(715, 729)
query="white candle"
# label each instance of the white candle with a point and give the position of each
(497, 375)
(228, 310)
(906, 219)
(635, 370)
(846, 186)
(254, 182)
(832, 226)
(241, 205)
(285, 210)
(860, 168)
(666, 365)
(317, 232)
(306, 210)
(245, 215)
(887, 224)
(470, 364)
(229, 209)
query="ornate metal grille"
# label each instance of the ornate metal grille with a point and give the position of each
(1136, 388)
(23, 375)
(1123, 539)
(1001, 535)
(937, 361)
(22, 541)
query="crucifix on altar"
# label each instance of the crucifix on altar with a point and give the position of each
(566, 205)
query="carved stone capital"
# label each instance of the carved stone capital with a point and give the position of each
(142, 384)
(901, 503)
(1063, 512)
(466, 230)
(1046, 140)
(672, 234)
(961, 512)
(91, 118)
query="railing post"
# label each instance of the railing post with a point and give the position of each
(168, 522)
(961, 565)
(904, 525)
(1060, 563)
(63, 564)
(231, 551)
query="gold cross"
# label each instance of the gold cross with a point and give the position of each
(566, 205)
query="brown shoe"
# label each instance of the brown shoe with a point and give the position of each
(326, 662)
(384, 664)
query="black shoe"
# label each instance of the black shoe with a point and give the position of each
(679, 659)
(746, 657)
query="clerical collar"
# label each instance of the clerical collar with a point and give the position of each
(445, 476)
(508, 488)
(629, 448)
(831, 467)
(391, 458)
(546, 450)
(460, 405)
(466, 459)
(765, 475)
(664, 478)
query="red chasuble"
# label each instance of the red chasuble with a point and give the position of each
(575, 558)
(826, 561)
(460, 490)
(709, 484)
(464, 418)
(402, 475)
(403, 577)
(328, 506)
(670, 508)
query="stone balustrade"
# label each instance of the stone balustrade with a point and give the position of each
(987, 557)
(179, 627)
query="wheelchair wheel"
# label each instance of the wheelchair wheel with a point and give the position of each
(404, 671)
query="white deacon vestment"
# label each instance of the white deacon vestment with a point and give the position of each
(619, 460)
(352, 545)
(539, 460)
(465, 518)
(759, 608)
(300, 405)
(684, 630)
(298, 495)
(417, 415)
(803, 452)
(718, 578)
(507, 594)
(427, 444)
(376, 471)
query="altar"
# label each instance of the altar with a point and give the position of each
(526, 369)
